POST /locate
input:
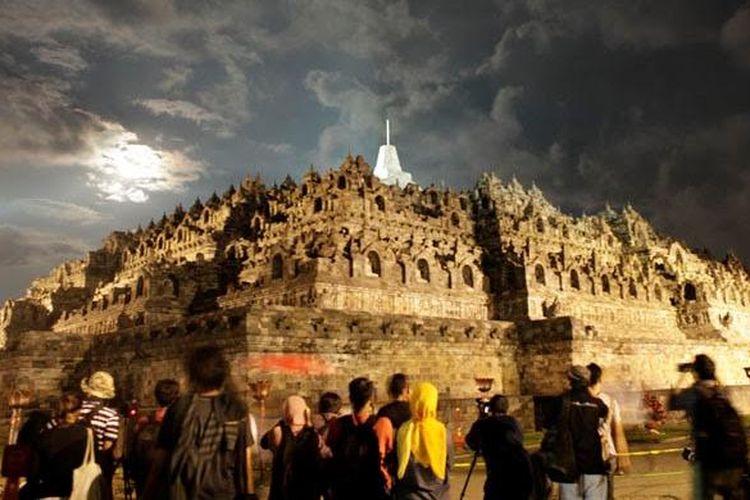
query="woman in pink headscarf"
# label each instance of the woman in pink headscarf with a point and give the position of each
(296, 454)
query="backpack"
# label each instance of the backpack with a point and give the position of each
(209, 461)
(720, 441)
(557, 450)
(357, 457)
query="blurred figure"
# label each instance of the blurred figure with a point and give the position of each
(296, 454)
(59, 450)
(329, 408)
(424, 450)
(718, 433)
(615, 445)
(389, 419)
(205, 438)
(351, 438)
(143, 447)
(499, 439)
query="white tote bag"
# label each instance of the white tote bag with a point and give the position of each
(87, 479)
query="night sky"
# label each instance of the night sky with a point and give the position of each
(113, 112)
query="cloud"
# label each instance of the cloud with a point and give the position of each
(180, 109)
(57, 211)
(735, 36)
(65, 57)
(27, 247)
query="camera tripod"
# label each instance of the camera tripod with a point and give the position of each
(468, 476)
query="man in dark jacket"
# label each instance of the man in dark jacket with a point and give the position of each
(580, 413)
(499, 439)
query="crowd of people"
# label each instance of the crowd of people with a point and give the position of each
(198, 445)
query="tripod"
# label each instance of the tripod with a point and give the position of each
(468, 476)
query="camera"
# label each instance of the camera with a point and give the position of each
(688, 454)
(483, 407)
(685, 367)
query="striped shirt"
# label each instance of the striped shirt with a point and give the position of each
(105, 422)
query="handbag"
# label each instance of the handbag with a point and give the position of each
(17, 460)
(88, 479)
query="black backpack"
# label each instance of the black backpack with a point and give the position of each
(195, 473)
(357, 457)
(556, 450)
(720, 441)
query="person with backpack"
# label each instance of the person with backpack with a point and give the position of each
(143, 445)
(572, 447)
(295, 474)
(59, 450)
(355, 467)
(424, 450)
(499, 439)
(718, 434)
(205, 438)
(389, 419)
(98, 413)
(615, 445)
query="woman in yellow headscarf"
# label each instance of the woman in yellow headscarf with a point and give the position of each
(423, 450)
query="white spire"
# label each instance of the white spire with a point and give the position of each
(388, 167)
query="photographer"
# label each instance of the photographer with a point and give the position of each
(720, 442)
(498, 438)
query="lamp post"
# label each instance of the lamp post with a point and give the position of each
(17, 401)
(260, 389)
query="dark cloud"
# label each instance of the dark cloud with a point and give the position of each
(20, 247)
(608, 101)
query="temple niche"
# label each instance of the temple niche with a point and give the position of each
(487, 277)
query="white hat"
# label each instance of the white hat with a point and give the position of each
(100, 385)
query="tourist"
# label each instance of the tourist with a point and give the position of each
(389, 419)
(574, 423)
(59, 451)
(356, 461)
(611, 431)
(295, 445)
(499, 439)
(205, 438)
(718, 434)
(143, 445)
(329, 408)
(97, 412)
(424, 450)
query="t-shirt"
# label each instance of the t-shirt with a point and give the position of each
(105, 421)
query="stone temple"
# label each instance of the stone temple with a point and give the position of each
(340, 274)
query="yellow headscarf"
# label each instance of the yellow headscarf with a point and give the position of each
(423, 436)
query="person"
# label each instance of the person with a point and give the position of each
(577, 414)
(424, 450)
(296, 454)
(611, 431)
(499, 439)
(718, 434)
(329, 408)
(104, 419)
(355, 467)
(205, 440)
(60, 450)
(389, 419)
(143, 446)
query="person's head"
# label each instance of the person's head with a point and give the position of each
(329, 402)
(398, 386)
(166, 391)
(296, 411)
(704, 368)
(207, 368)
(595, 378)
(424, 401)
(579, 377)
(498, 405)
(68, 407)
(99, 385)
(360, 393)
